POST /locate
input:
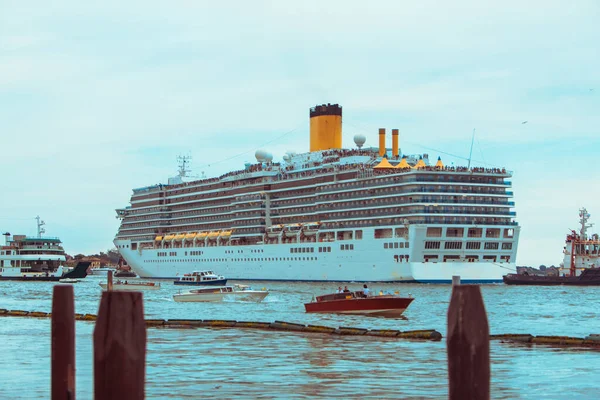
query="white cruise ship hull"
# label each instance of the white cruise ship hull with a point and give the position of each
(367, 260)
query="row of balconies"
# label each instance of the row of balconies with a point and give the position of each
(404, 201)
(392, 180)
(416, 191)
(398, 221)
(334, 215)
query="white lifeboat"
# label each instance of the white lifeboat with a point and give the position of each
(274, 231)
(310, 229)
(292, 230)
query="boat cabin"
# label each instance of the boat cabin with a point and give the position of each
(216, 289)
(201, 276)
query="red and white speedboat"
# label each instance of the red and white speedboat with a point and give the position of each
(384, 305)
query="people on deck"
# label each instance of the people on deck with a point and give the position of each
(366, 290)
(346, 290)
(339, 289)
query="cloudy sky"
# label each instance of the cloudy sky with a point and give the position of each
(97, 98)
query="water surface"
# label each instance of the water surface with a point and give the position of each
(232, 362)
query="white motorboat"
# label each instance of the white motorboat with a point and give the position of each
(221, 293)
(133, 286)
(102, 271)
(69, 280)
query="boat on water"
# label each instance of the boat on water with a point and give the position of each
(222, 293)
(36, 258)
(126, 285)
(356, 302)
(580, 266)
(125, 274)
(326, 214)
(69, 280)
(201, 278)
(102, 271)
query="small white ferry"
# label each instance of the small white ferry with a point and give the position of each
(221, 293)
(202, 278)
(36, 258)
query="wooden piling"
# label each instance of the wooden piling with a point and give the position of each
(63, 343)
(109, 281)
(120, 347)
(468, 345)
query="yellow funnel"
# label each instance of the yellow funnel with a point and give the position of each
(325, 127)
(382, 141)
(395, 148)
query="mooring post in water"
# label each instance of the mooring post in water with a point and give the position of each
(63, 343)
(455, 280)
(109, 281)
(120, 347)
(468, 345)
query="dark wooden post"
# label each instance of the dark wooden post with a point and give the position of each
(63, 343)
(468, 345)
(109, 281)
(120, 347)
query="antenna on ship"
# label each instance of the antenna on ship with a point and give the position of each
(471, 151)
(584, 216)
(40, 230)
(183, 163)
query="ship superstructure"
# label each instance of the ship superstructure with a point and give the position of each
(581, 250)
(332, 214)
(31, 255)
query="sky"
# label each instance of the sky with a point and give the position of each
(97, 98)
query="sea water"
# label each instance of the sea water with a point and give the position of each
(247, 363)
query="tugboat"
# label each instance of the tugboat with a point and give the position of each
(581, 262)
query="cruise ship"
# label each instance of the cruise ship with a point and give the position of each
(331, 214)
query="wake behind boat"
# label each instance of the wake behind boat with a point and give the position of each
(221, 293)
(357, 302)
(133, 286)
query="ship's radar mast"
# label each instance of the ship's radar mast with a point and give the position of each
(584, 216)
(183, 164)
(40, 230)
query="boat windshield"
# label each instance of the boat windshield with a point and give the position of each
(340, 296)
(207, 290)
